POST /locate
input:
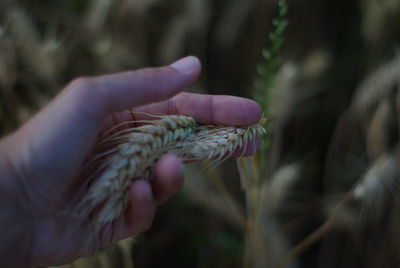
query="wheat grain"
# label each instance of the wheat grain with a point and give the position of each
(377, 136)
(136, 153)
(376, 87)
(380, 177)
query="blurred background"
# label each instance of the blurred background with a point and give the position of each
(325, 194)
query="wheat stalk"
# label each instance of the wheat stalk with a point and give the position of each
(137, 149)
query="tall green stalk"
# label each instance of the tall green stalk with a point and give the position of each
(266, 71)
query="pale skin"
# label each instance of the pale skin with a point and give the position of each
(40, 163)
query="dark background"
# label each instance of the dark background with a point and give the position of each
(335, 116)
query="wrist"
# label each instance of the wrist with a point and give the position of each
(14, 223)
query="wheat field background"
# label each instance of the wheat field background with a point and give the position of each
(325, 192)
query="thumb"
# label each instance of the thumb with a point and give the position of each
(100, 96)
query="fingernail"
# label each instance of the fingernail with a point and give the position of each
(186, 65)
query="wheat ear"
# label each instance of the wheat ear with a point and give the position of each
(139, 148)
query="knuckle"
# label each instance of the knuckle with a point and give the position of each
(145, 72)
(155, 75)
(85, 98)
(150, 76)
(81, 85)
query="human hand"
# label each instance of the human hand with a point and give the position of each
(41, 161)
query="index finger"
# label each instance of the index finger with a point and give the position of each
(207, 109)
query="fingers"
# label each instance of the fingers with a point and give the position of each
(142, 207)
(211, 109)
(208, 109)
(169, 178)
(103, 95)
(144, 196)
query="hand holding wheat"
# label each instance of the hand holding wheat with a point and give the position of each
(41, 163)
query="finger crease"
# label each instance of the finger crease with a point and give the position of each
(172, 107)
